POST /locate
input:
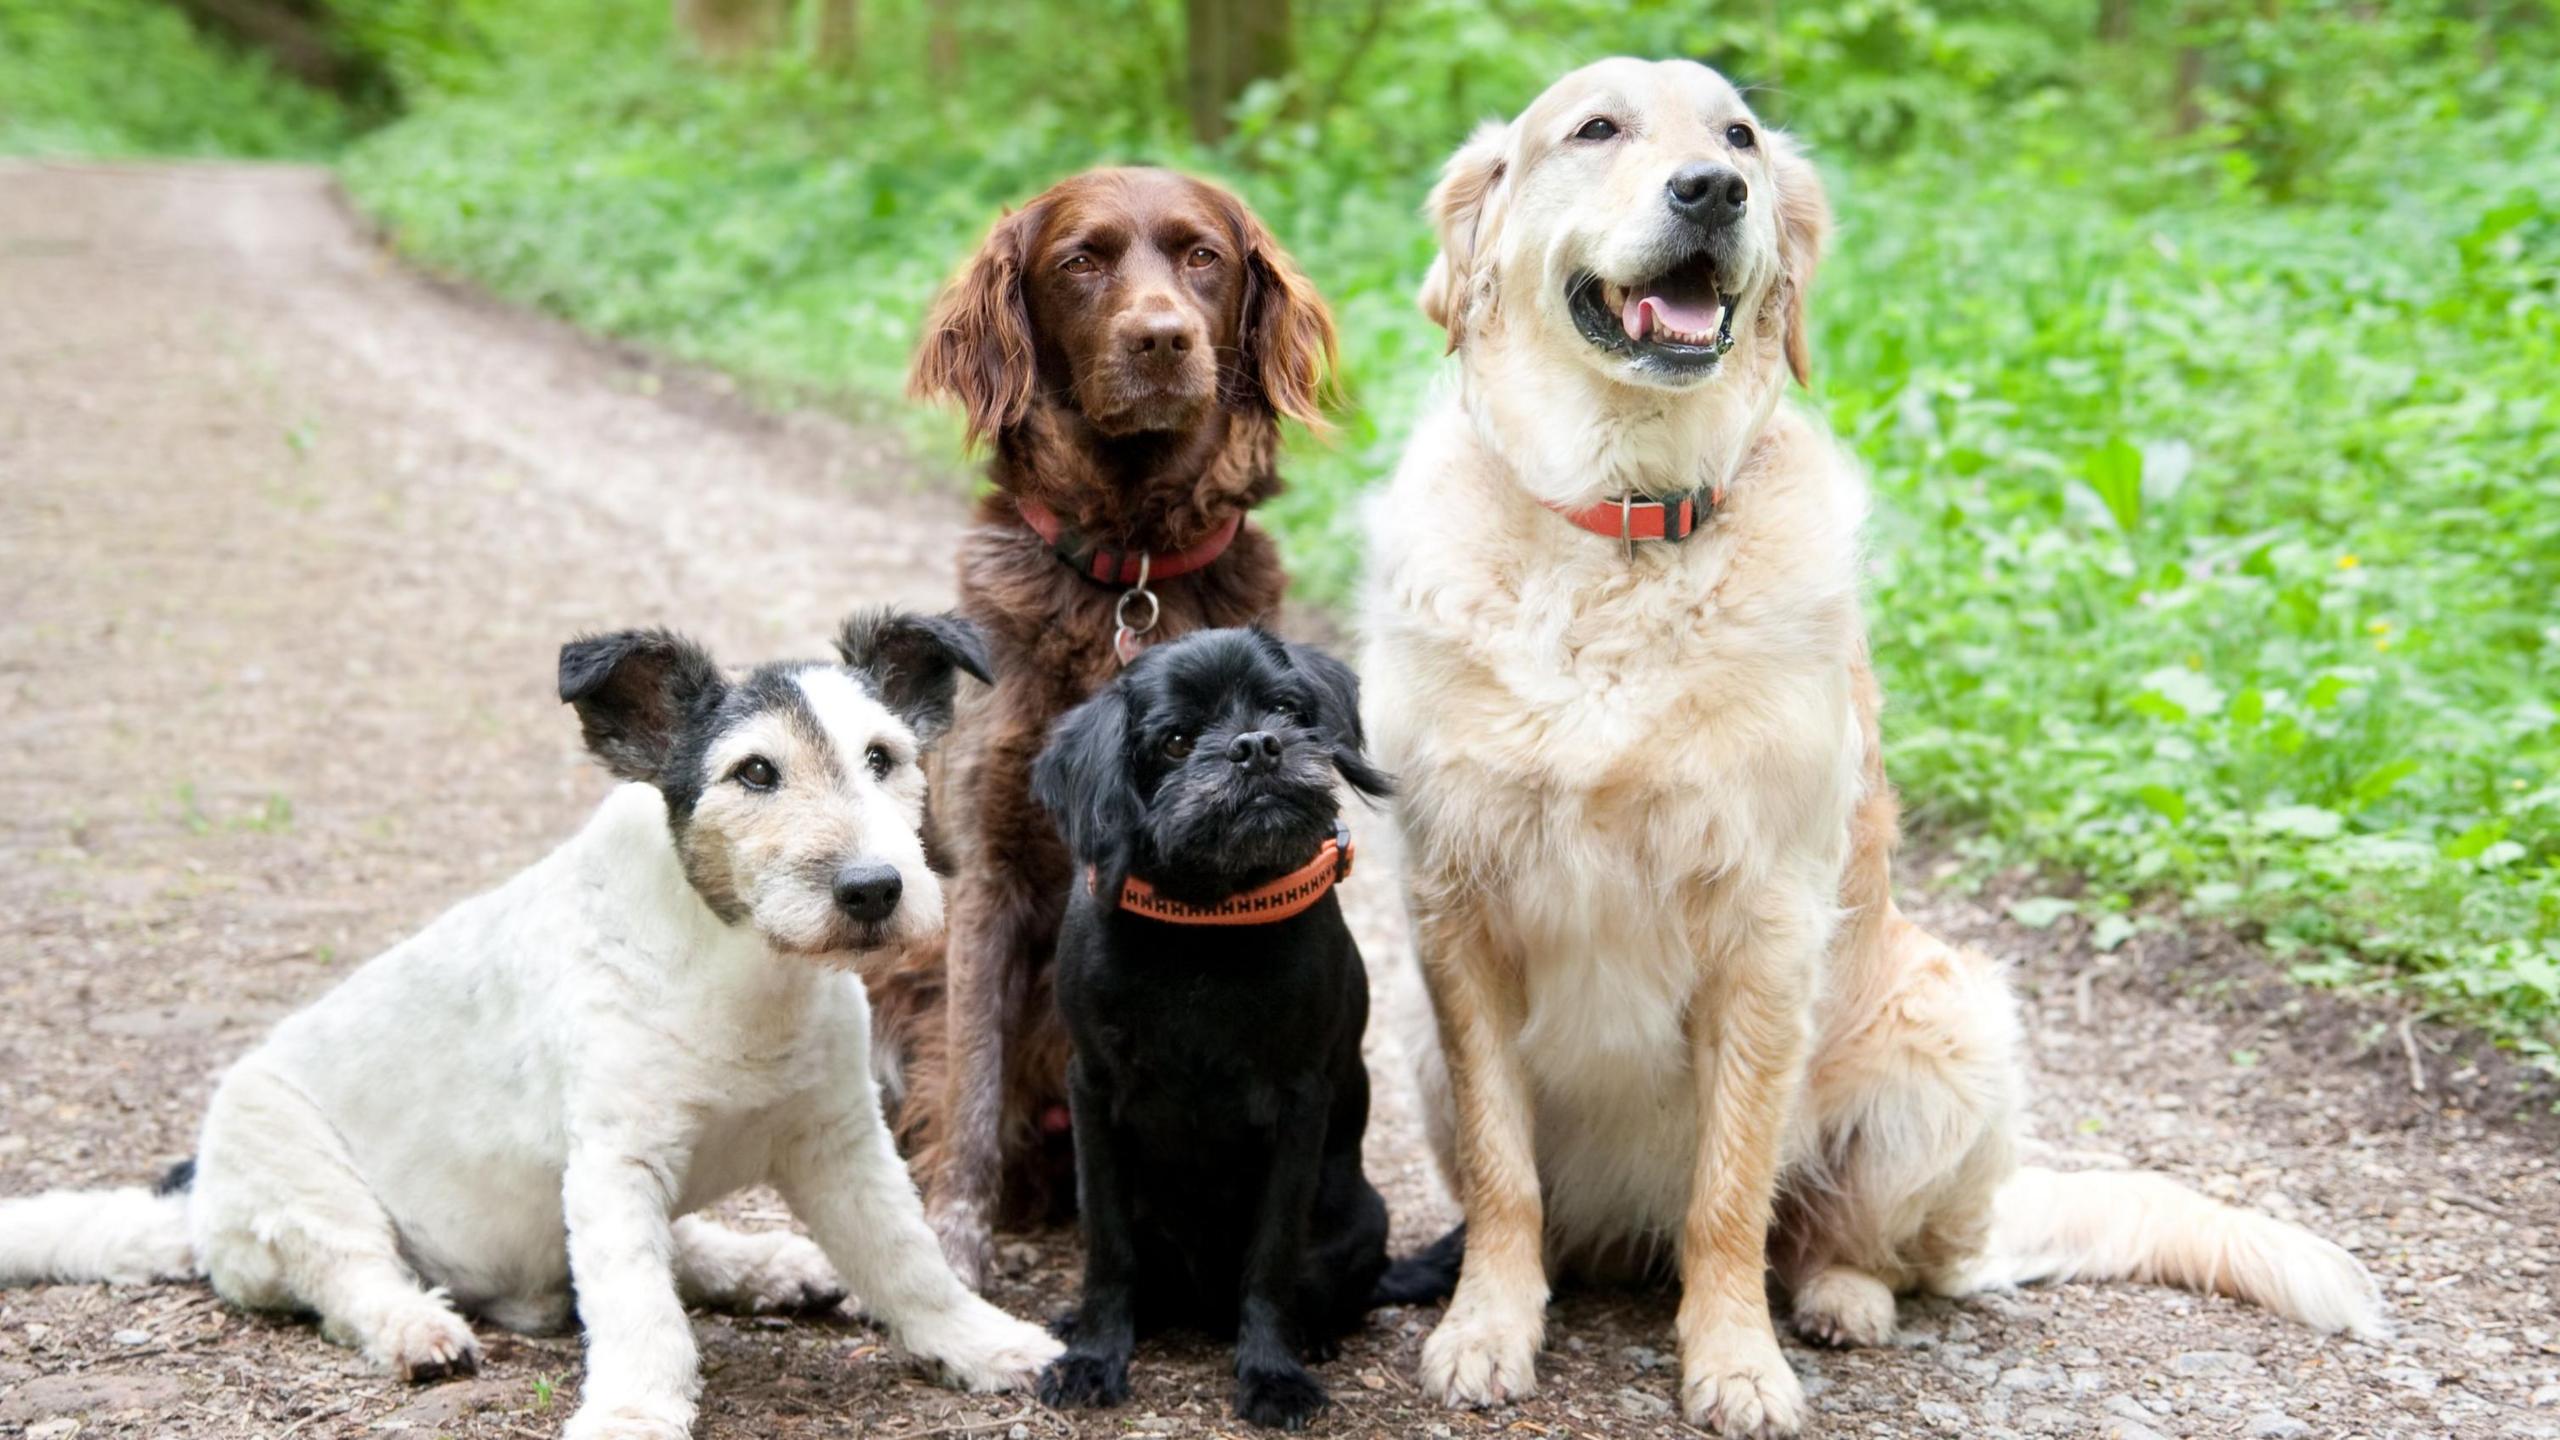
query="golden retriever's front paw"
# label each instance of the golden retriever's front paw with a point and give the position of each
(993, 1351)
(1844, 1309)
(1478, 1357)
(1735, 1383)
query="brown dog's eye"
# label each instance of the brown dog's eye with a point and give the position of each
(1177, 746)
(1202, 258)
(756, 773)
(1077, 265)
(1598, 127)
(1740, 137)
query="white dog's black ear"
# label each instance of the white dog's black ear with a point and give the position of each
(1082, 779)
(1337, 697)
(1804, 226)
(637, 691)
(1464, 209)
(914, 662)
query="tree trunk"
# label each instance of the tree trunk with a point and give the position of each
(942, 41)
(730, 29)
(2115, 21)
(1230, 44)
(839, 32)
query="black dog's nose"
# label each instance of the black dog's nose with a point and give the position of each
(1255, 750)
(1708, 195)
(869, 893)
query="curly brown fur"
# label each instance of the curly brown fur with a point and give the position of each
(1151, 458)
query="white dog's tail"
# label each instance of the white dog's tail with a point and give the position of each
(122, 1236)
(2129, 1225)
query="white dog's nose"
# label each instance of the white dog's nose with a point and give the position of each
(868, 892)
(1707, 195)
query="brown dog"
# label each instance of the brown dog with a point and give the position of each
(1130, 341)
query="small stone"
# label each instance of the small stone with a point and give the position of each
(2547, 1395)
(1980, 1372)
(1018, 1432)
(2211, 1362)
(2049, 1420)
(1643, 1358)
(1943, 1415)
(2030, 1379)
(2409, 1377)
(131, 1337)
(1638, 1404)
(2124, 1429)
(2275, 1425)
(49, 1429)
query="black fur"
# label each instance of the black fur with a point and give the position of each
(638, 693)
(910, 658)
(1427, 1276)
(1217, 1088)
(181, 1178)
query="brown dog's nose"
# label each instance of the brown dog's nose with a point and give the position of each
(1709, 196)
(1158, 333)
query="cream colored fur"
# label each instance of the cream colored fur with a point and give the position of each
(1648, 829)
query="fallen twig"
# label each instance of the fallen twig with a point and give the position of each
(2417, 1066)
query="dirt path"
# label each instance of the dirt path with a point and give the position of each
(287, 540)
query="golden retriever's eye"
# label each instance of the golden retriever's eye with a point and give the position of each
(1202, 258)
(756, 773)
(1598, 127)
(880, 761)
(1077, 265)
(1740, 137)
(1177, 746)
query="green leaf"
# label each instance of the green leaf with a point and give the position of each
(2169, 804)
(2040, 912)
(2474, 842)
(2114, 472)
(2247, 709)
(2381, 780)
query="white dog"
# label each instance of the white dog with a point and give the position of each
(530, 1097)
(1617, 662)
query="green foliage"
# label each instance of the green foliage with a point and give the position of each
(131, 77)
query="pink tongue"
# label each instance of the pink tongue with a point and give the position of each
(1645, 314)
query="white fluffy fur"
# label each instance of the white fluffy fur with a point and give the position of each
(1647, 829)
(537, 1090)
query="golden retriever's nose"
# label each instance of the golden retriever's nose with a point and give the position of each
(1708, 196)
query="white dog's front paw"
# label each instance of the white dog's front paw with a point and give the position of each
(422, 1342)
(1480, 1356)
(662, 1420)
(790, 1277)
(987, 1349)
(1735, 1384)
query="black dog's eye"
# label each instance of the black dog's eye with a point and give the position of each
(1202, 258)
(880, 761)
(1598, 127)
(1077, 265)
(1740, 137)
(756, 773)
(1177, 746)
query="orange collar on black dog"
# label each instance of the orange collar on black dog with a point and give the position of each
(1289, 895)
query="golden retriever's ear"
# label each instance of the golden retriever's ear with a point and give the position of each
(1804, 227)
(976, 347)
(1286, 343)
(1463, 210)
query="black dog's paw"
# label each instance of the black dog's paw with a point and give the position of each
(1280, 1399)
(1083, 1382)
(1327, 1349)
(1063, 1325)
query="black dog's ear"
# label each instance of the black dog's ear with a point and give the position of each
(911, 659)
(1082, 779)
(636, 690)
(1337, 693)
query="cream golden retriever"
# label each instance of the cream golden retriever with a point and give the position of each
(1681, 1024)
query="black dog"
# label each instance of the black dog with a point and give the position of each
(1215, 1000)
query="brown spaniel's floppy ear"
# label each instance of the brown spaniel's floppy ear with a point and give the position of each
(1804, 225)
(1286, 342)
(977, 341)
(1464, 211)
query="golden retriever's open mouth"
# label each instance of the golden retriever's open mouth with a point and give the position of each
(1679, 322)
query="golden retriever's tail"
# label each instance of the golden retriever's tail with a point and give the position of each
(2130, 1225)
(125, 1237)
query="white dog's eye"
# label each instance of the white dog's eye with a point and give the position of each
(880, 761)
(1740, 137)
(756, 773)
(1598, 127)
